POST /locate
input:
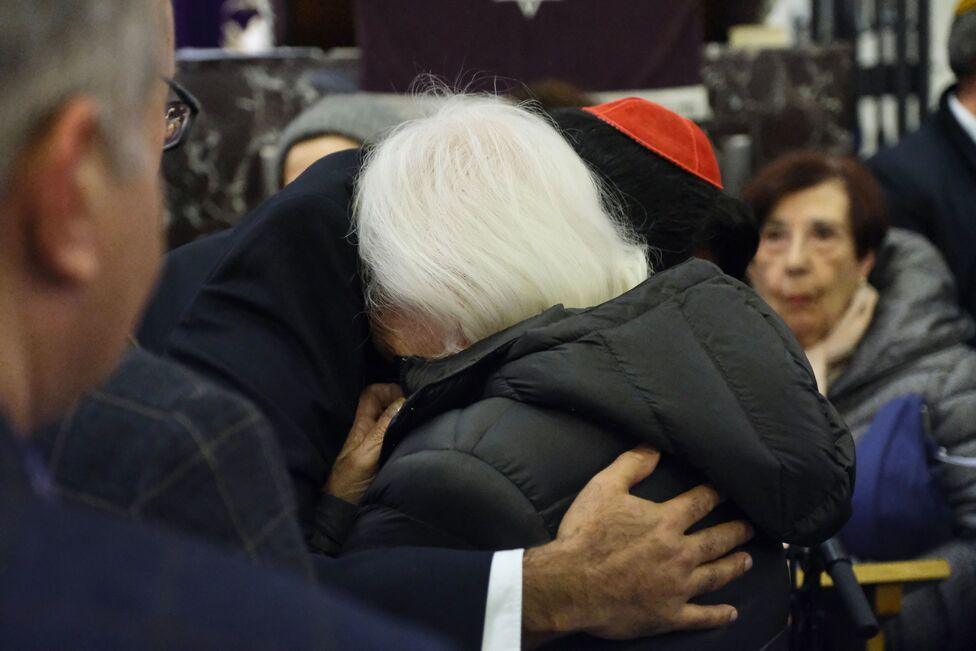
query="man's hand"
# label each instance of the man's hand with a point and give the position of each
(622, 567)
(358, 461)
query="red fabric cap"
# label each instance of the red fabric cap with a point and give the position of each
(664, 132)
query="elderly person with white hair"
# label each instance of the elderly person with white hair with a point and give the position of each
(535, 347)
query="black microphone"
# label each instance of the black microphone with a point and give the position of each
(838, 565)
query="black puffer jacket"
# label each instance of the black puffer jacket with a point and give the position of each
(494, 443)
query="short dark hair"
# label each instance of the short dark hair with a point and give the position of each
(550, 94)
(962, 45)
(675, 212)
(805, 169)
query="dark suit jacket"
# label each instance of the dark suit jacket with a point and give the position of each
(75, 579)
(184, 272)
(273, 309)
(929, 180)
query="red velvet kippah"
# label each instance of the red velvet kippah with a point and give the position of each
(664, 132)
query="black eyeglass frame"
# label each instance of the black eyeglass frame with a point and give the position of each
(191, 102)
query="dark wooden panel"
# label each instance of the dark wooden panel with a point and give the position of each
(321, 23)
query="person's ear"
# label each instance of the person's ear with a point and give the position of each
(866, 264)
(61, 228)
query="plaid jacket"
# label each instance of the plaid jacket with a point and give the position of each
(160, 444)
(71, 579)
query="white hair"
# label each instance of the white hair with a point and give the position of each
(481, 216)
(51, 50)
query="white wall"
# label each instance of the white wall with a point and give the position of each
(942, 14)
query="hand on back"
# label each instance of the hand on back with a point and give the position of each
(624, 567)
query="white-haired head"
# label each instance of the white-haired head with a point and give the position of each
(481, 216)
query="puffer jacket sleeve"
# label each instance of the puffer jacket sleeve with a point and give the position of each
(711, 374)
(953, 422)
(765, 436)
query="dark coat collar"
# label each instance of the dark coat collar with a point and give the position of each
(531, 335)
(417, 373)
(958, 136)
(437, 386)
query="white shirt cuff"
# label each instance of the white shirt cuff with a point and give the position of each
(503, 612)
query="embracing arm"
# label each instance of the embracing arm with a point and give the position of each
(622, 567)
(908, 207)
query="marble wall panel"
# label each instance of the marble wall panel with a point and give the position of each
(782, 99)
(220, 173)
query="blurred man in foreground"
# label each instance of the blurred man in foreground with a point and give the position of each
(83, 97)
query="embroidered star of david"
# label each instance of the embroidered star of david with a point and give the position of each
(529, 7)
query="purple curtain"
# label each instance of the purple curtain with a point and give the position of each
(595, 44)
(198, 22)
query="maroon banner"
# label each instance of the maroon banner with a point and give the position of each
(594, 44)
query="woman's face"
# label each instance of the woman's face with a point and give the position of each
(806, 266)
(403, 333)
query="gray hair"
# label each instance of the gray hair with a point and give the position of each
(53, 50)
(962, 45)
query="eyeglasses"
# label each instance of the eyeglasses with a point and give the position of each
(180, 114)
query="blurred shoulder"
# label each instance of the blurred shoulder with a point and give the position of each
(162, 390)
(908, 159)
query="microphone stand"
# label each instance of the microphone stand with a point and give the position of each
(809, 631)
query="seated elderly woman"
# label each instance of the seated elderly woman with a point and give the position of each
(535, 347)
(891, 356)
